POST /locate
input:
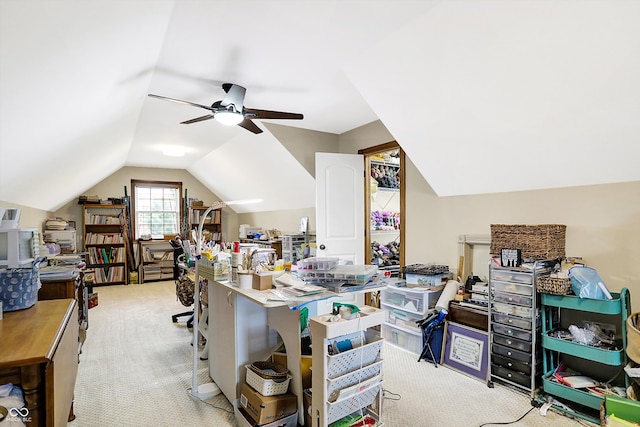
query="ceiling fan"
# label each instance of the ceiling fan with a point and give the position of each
(231, 111)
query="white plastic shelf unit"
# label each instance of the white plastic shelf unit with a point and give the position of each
(514, 324)
(350, 381)
(558, 311)
(404, 307)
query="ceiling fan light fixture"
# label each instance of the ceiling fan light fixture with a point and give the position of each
(229, 118)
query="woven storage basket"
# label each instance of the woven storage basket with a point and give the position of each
(544, 241)
(633, 337)
(269, 370)
(554, 285)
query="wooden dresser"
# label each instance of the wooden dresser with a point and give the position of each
(39, 352)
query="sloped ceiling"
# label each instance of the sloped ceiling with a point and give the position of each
(484, 96)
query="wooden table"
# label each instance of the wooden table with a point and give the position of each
(39, 352)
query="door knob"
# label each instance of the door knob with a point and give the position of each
(323, 247)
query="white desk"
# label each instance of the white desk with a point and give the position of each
(244, 327)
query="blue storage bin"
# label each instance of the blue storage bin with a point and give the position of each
(19, 287)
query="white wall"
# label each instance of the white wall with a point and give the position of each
(603, 221)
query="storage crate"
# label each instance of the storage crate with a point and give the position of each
(405, 340)
(414, 300)
(402, 319)
(544, 241)
(266, 386)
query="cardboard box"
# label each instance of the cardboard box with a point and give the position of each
(244, 420)
(266, 409)
(262, 282)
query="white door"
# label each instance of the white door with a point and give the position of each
(340, 206)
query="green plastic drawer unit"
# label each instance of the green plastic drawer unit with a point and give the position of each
(584, 304)
(572, 394)
(511, 332)
(608, 357)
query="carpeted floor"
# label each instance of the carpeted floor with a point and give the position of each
(136, 367)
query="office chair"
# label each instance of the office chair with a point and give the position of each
(184, 285)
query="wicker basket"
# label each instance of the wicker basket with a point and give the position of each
(554, 285)
(269, 370)
(545, 241)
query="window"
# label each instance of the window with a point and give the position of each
(156, 208)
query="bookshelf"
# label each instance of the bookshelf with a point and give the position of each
(212, 228)
(104, 244)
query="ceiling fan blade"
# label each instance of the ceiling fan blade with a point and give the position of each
(250, 126)
(179, 101)
(197, 119)
(235, 95)
(267, 114)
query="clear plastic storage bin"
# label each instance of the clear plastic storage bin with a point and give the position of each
(315, 263)
(414, 300)
(355, 274)
(402, 339)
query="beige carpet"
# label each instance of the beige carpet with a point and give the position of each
(136, 367)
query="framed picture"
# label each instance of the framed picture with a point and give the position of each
(466, 350)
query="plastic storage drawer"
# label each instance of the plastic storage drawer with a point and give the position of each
(509, 375)
(512, 276)
(507, 298)
(512, 321)
(409, 299)
(402, 319)
(403, 339)
(511, 332)
(515, 365)
(512, 342)
(514, 288)
(510, 352)
(515, 310)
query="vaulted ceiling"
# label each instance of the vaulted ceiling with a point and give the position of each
(483, 95)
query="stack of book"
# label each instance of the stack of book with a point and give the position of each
(479, 294)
